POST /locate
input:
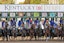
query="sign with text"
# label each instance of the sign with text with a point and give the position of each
(4, 14)
(60, 15)
(20, 14)
(52, 14)
(36, 14)
(44, 14)
(12, 14)
(31, 8)
(28, 14)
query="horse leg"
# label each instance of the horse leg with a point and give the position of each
(46, 35)
(35, 34)
(31, 36)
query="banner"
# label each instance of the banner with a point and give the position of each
(31, 8)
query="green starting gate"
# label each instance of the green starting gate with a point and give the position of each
(33, 15)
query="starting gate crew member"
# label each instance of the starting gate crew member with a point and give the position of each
(4, 29)
(42, 26)
(3, 24)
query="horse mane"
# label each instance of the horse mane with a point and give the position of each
(32, 26)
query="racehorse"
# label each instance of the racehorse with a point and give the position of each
(62, 32)
(47, 32)
(14, 31)
(32, 31)
(38, 31)
(47, 29)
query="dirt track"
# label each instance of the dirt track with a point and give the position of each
(32, 42)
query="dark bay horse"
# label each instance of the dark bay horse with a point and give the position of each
(32, 31)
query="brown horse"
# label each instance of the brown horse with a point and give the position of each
(62, 32)
(32, 31)
(47, 32)
(47, 29)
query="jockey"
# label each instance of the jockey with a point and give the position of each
(36, 22)
(20, 22)
(28, 23)
(13, 22)
(52, 22)
(55, 25)
(61, 21)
